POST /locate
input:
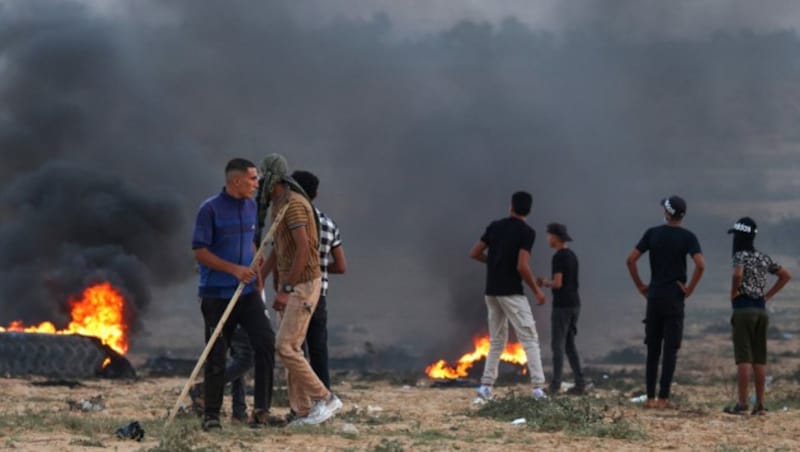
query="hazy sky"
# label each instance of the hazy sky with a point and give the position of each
(635, 17)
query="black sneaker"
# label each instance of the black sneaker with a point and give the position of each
(736, 409)
(759, 410)
(210, 423)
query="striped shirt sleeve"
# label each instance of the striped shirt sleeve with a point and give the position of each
(296, 215)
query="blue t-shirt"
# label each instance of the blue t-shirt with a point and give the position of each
(226, 226)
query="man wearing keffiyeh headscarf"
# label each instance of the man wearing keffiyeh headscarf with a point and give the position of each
(274, 170)
(295, 257)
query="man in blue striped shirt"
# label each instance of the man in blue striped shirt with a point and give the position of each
(223, 244)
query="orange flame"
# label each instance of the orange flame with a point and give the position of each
(440, 370)
(98, 313)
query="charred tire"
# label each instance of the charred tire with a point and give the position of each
(56, 356)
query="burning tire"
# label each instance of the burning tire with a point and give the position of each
(60, 356)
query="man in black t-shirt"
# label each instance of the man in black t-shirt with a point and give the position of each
(566, 308)
(509, 242)
(668, 245)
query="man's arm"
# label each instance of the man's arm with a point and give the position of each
(203, 237)
(736, 281)
(339, 265)
(478, 251)
(259, 262)
(555, 283)
(214, 262)
(783, 278)
(524, 269)
(299, 261)
(699, 268)
(301, 255)
(633, 258)
(267, 266)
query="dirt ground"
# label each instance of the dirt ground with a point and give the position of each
(389, 414)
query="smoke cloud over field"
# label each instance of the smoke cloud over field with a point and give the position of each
(419, 140)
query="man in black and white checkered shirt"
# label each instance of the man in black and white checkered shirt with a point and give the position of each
(332, 261)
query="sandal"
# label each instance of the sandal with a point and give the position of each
(651, 403)
(759, 410)
(736, 409)
(665, 404)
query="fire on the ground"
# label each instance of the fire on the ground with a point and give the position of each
(441, 370)
(98, 312)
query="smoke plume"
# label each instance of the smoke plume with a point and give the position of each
(419, 139)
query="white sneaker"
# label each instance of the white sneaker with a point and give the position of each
(538, 394)
(322, 410)
(300, 421)
(485, 392)
(319, 410)
(333, 404)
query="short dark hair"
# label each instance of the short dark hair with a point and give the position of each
(239, 164)
(308, 181)
(521, 203)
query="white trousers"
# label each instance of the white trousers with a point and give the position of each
(517, 310)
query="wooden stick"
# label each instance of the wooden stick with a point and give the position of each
(231, 304)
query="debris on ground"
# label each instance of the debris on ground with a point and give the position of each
(91, 404)
(132, 431)
(455, 383)
(519, 421)
(639, 399)
(58, 382)
(166, 366)
(60, 356)
(349, 429)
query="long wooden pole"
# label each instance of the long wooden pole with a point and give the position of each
(231, 304)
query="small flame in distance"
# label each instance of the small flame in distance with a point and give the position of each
(441, 370)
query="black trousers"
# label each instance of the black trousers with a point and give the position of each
(564, 328)
(249, 313)
(663, 336)
(317, 342)
(239, 364)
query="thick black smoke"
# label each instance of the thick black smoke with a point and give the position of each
(419, 141)
(82, 193)
(67, 227)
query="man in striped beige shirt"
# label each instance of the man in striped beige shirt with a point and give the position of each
(296, 257)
